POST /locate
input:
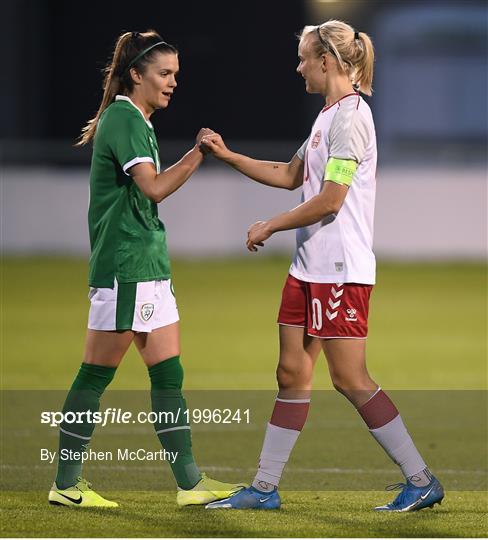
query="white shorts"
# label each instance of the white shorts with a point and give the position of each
(141, 307)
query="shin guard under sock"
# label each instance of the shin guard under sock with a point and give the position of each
(84, 396)
(386, 426)
(172, 427)
(287, 421)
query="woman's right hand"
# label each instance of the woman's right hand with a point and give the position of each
(214, 144)
(202, 133)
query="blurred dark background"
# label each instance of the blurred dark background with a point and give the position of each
(238, 75)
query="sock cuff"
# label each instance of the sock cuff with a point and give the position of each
(378, 411)
(93, 377)
(293, 400)
(290, 414)
(167, 374)
(164, 365)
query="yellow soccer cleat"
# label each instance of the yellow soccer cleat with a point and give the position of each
(79, 496)
(206, 491)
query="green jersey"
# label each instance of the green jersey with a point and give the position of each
(128, 241)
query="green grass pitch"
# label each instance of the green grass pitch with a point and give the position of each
(427, 332)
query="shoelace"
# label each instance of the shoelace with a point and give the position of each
(401, 496)
(393, 487)
(85, 484)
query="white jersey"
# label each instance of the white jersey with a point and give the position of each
(339, 250)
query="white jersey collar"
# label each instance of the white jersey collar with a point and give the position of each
(127, 98)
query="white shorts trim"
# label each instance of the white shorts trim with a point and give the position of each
(337, 337)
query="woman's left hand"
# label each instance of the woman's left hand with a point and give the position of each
(202, 133)
(257, 234)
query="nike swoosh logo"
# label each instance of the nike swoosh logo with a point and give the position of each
(76, 501)
(418, 501)
(265, 499)
(423, 497)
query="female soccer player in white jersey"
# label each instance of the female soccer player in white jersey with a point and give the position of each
(131, 295)
(326, 296)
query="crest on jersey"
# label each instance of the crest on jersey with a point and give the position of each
(146, 311)
(316, 139)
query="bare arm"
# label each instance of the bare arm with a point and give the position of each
(159, 186)
(327, 202)
(271, 173)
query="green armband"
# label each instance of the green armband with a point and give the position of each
(340, 171)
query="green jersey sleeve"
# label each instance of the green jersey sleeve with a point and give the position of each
(129, 140)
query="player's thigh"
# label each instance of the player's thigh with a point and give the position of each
(298, 355)
(106, 348)
(346, 359)
(296, 344)
(158, 345)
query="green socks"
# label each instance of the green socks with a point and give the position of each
(84, 395)
(172, 428)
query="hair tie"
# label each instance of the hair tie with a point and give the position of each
(356, 35)
(135, 35)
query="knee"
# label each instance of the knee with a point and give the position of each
(291, 377)
(167, 374)
(284, 377)
(340, 385)
(350, 386)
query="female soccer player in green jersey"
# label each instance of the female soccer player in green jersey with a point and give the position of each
(131, 295)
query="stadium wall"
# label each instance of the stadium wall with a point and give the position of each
(420, 213)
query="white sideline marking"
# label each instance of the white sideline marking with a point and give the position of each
(325, 470)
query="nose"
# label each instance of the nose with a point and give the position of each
(298, 69)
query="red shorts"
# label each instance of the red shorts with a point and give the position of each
(326, 310)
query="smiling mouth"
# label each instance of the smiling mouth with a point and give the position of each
(167, 94)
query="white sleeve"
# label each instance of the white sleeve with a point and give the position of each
(349, 133)
(301, 151)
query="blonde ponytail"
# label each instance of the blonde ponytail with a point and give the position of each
(363, 76)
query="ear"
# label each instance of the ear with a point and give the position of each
(324, 63)
(135, 76)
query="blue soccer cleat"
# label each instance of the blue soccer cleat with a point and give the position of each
(413, 498)
(249, 498)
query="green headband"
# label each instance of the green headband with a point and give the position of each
(141, 54)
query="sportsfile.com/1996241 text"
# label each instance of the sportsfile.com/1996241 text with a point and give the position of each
(113, 415)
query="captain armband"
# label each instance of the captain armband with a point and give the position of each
(340, 171)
